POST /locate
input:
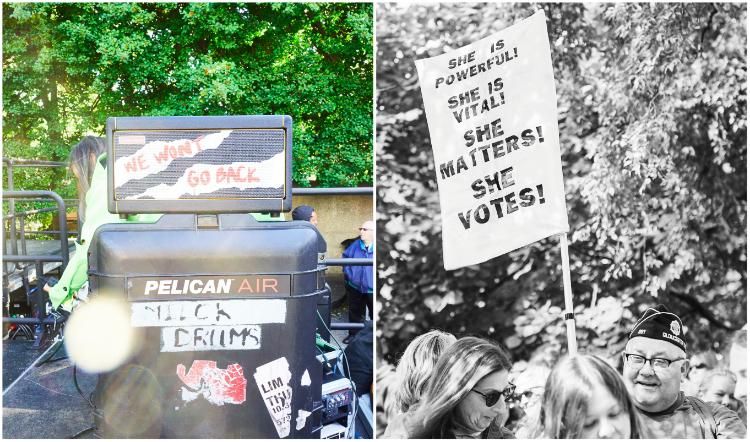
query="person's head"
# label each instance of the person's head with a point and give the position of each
(415, 367)
(305, 213)
(82, 164)
(585, 398)
(718, 386)
(700, 364)
(530, 383)
(530, 387)
(738, 362)
(468, 388)
(367, 232)
(655, 360)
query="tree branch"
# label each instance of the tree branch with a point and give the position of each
(708, 26)
(703, 311)
(96, 103)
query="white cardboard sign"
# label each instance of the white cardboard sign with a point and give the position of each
(210, 312)
(491, 109)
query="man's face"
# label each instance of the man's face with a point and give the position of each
(654, 389)
(738, 365)
(314, 219)
(366, 232)
(698, 370)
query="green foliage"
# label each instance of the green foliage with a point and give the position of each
(69, 66)
(652, 104)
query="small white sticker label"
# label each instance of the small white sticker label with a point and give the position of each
(273, 383)
(302, 419)
(305, 379)
(132, 139)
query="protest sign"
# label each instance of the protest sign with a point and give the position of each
(491, 109)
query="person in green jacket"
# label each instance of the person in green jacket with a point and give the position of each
(88, 162)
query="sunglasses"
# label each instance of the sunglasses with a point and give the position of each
(492, 397)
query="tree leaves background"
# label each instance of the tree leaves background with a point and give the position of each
(653, 131)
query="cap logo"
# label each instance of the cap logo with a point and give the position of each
(675, 327)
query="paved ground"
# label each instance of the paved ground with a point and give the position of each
(17, 355)
(45, 403)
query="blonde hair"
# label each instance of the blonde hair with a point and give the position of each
(415, 367)
(715, 373)
(82, 164)
(568, 392)
(461, 366)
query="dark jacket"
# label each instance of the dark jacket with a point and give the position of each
(359, 277)
(359, 355)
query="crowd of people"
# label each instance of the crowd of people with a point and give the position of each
(447, 387)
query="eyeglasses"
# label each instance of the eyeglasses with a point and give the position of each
(637, 361)
(492, 397)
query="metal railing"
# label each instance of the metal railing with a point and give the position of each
(333, 191)
(12, 196)
(10, 165)
(17, 221)
(17, 258)
(34, 297)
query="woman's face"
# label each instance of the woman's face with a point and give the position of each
(720, 390)
(473, 411)
(606, 418)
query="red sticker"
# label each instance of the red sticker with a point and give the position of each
(218, 386)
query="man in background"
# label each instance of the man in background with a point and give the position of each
(305, 213)
(655, 361)
(358, 280)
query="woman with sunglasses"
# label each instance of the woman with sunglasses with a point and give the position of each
(464, 397)
(585, 398)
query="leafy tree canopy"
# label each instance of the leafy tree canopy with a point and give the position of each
(69, 66)
(653, 131)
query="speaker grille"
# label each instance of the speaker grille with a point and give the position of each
(199, 164)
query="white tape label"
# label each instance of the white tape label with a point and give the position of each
(213, 312)
(227, 337)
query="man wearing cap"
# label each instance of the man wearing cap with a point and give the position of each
(305, 213)
(655, 361)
